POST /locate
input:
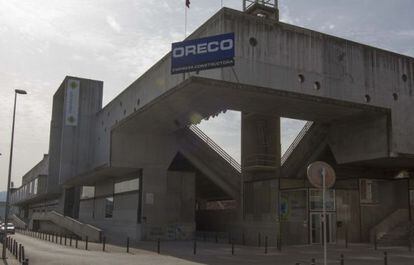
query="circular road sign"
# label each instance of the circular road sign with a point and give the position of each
(315, 171)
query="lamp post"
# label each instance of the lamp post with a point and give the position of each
(6, 214)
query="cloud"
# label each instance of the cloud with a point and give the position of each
(113, 24)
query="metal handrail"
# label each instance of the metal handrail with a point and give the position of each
(295, 142)
(248, 3)
(233, 162)
(236, 165)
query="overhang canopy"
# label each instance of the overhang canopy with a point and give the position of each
(99, 174)
(197, 98)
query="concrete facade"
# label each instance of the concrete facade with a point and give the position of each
(358, 97)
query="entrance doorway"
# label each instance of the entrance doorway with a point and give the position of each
(316, 227)
(71, 203)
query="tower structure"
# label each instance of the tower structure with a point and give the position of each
(263, 8)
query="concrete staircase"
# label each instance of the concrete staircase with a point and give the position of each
(19, 223)
(211, 160)
(225, 172)
(82, 230)
(397, 236)
(392, 230)
(306, 147)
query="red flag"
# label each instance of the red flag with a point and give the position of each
(187, 3)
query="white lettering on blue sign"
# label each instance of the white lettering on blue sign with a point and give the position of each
(204, 53)
(202, 48)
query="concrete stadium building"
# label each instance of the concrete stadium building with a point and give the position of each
(140, 167)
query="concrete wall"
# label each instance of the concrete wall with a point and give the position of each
(169, 204)
(142, 150)
(345, 70)
(348, 214)
(42, 168)
(71, 148)
(359, 139)
(124, 221)
(261, 200)
(55, 138)
(168, 196)
(46, 206)
(50, 227)
(77, 141)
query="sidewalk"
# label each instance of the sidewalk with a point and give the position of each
(181, 253)
(11, 260)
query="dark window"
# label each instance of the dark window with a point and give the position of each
(109, 207)
(369, 190)
(253, 42)
(395, 96)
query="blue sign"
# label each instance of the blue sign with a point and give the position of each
(201, 54)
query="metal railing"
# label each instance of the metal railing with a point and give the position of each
(236, 165)
(269, 3)
(295, 142)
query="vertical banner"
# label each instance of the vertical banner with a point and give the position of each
(72, 102)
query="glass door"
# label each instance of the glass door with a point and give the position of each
(316, 227)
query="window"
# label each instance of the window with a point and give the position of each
(109, 207)
(369, 191)
(35, 186)
(315, 199)
(87, 192)
(128, 185)
(32, 184)
(29, 188)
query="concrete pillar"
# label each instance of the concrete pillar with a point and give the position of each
(169, 204)
(260, 145)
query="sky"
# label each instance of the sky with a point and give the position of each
(116, 41)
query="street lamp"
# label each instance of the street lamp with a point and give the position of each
(6, 214)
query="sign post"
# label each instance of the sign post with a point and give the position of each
(325, 252)
(322, 175)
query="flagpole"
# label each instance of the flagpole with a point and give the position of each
(185, 27)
